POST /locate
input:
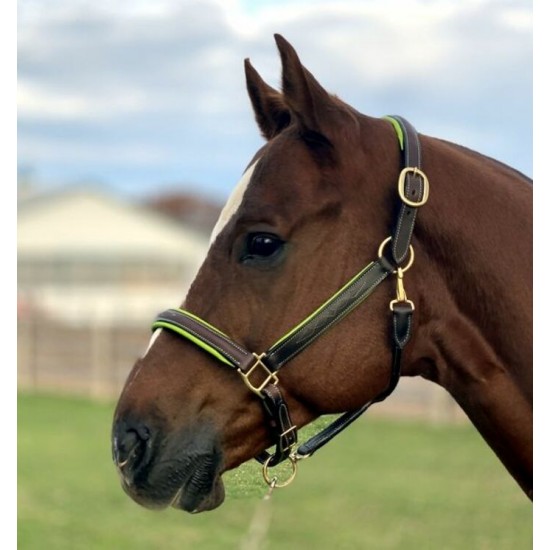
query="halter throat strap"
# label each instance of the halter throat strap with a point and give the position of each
(259, 371)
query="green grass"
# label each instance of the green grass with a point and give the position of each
(381, 485)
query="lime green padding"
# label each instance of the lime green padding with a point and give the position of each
(201, 321)
(398, 130)
(320, 308)
(194, 339)
(213, 351)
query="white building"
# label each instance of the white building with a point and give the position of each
(84, 256)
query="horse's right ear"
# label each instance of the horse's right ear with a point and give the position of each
(272, 114)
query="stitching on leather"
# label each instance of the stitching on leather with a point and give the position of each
(327, 306)
(347, 291)
(418, 148)
(349, 308)
(221, 336)
(404, 340)
(205, 339)
(399, 255)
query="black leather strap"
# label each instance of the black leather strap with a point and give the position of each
(413, 190)
(235, 355)
(402, 325)
(281, 426)
(263, 367)
(284, 433)
(332, 312)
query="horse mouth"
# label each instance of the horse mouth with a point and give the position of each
(186, 477)
(210, 495)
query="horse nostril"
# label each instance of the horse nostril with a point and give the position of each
(129, 443)
(127, 446)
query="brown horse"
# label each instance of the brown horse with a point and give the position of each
(311, 210)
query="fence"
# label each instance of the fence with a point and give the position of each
(94, 360)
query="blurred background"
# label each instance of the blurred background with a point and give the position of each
(133, 127)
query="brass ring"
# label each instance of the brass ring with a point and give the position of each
(411, 254)
(274, 482)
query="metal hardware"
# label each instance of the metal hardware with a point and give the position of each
(271, 376)
(202, 339)
(401, 187)
(411, 254)
(274, 481)
(281, 440)
(296, 457)
(400, 294)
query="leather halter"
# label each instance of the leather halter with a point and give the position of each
(259, 371)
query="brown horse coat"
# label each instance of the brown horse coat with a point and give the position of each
(325, 184)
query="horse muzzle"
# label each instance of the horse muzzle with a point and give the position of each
(180, 469)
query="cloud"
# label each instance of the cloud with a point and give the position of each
(143, 93)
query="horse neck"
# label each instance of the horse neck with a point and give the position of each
(473, 273)
(473, 279)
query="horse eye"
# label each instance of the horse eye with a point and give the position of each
(260, 246)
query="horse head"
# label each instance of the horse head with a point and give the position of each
(309, 213)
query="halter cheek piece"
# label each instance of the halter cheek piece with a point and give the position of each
(259, 371)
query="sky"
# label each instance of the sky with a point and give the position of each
(143, 96)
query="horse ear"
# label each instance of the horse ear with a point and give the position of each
(272, 114)
(309, 102)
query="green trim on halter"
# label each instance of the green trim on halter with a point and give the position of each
(194, 339)
(214, 352)
(320, 308)
(398, 130)
(202, 322)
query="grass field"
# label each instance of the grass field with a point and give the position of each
(381, 485)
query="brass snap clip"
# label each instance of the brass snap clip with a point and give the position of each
(401, 295)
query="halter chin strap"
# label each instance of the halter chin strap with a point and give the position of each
(259, 371)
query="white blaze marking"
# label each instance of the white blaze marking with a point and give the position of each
(152, 341)
(233, 203)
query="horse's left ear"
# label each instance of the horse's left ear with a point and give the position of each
(308, 101)
(272, 114)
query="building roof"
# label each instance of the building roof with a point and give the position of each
(85, 222)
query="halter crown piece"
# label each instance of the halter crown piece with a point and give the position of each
(259, 371)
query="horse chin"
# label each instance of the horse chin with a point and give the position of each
(183, 472)
(194, 496)
(196, 503)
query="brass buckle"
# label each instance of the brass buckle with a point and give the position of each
(282, 439)
(271, 376)
(401, 187)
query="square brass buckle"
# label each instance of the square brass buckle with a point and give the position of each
(286, 442)
(270, 379)
(401, 187)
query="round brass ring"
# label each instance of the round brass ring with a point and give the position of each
(411, 254)
(274, 482)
